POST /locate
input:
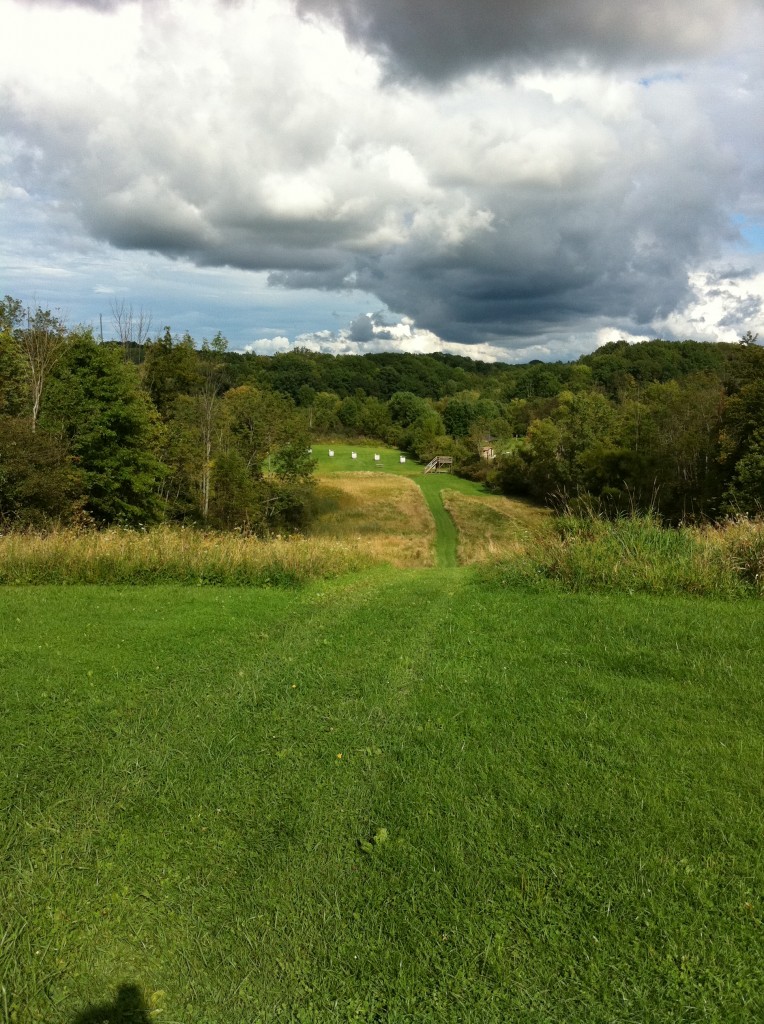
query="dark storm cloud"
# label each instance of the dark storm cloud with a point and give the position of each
(362, 329)
(440, 38)
(246, 137)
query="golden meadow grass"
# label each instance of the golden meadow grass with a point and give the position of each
(362, 520)
(171, 555)
(492, 527)
(382, 517)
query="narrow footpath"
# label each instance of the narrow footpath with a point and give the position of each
(445, 529)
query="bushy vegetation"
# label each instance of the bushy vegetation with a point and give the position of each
(637, 554)
(686, 449)
(162, 430)
(88, 436)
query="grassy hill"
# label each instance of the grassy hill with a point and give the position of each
(386, 796)
(445, 495)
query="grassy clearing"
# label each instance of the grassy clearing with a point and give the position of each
(171, 555)
(491, 528)
(637, 555)
(382, 516)
(343, 462)
(432, 485)
(399, 797)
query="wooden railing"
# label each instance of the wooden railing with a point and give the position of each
(440, 464)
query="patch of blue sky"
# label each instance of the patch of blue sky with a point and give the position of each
(86, 281)
(751, 232)
(661, 77)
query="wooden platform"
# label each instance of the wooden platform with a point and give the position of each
(440, 464)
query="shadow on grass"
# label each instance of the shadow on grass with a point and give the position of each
(128, 1008)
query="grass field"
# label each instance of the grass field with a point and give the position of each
(382, 516)
(492, 527)
(432, 486)
(358, 794)
(394, 797)
(172, 555)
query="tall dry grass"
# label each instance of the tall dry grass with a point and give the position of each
(171, 555)
(380, 516)
(361, 520)
(492, 527)
(637, 554)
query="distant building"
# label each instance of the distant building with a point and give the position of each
(486, 448)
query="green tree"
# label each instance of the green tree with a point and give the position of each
(420, 437)
(39, 483)
(171, 369)
(375, 418)
(261, 422)
(350, 414)
(95, 400)
(406, 407)
(13, 390)
(293, 462)
(235, 493)
(746, 491)
(325, 419)
(681, 433)
(43, 342)
(259, 462)
(459, 413)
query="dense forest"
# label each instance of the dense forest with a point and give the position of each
(134, 432)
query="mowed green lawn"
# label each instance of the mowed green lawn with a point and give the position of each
(343, 462)
(402, 796)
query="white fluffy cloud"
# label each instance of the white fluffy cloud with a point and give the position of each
(534, 205)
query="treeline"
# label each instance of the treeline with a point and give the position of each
(162, 430)
(86, 436)
(672, 427)
(676, 428)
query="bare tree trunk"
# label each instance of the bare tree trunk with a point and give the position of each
(209, 399)
(132, 329)
(42, 343)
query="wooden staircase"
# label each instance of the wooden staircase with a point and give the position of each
(440, 464)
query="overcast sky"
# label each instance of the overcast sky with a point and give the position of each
(509, 179)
